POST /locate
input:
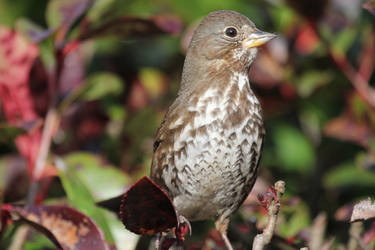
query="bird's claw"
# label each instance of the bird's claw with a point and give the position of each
(182, 228)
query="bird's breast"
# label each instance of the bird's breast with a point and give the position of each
(216, 151)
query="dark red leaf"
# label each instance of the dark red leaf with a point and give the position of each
(134, 26)
(167, 243)
(73, 70)
(5, 220)
(146, 208)
(15, 178)
(66, 227)
(112, 204)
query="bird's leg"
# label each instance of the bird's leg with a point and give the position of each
(158, 241)
(222, 226)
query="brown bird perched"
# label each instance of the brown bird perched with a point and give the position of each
(207, 149)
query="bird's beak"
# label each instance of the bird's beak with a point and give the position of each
(257, 38)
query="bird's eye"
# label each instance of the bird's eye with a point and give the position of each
(231, 32)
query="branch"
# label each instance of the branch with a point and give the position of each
(273, 210)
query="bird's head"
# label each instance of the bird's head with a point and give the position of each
(226, 37)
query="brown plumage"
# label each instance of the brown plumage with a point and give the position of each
(207, 149)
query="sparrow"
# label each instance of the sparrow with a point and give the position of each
(208, 147)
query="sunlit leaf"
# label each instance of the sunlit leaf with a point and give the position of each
(81, 198)
(103, 180)
(153, 80)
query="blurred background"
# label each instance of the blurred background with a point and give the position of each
(84, 86)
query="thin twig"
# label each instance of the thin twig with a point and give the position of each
(358, 82)
(273, 210)
(358, 78)
(41, 159)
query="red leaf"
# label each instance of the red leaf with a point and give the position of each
(146, 208)
(346, 127)
(66, 227)
(138, 97)
(370, 6)
(16, 57)
(168, 23)
(306, 40)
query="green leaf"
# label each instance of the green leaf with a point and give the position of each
(296, 218)
(99, 9)
(38, 241)
(81, 198)
(343, 41)
(8, 133)
(347, 174)
(102, 180)
(100, 85)
(293, 150)
(312, 80)
(283, 16)
(65, 12)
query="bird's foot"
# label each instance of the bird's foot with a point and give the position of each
(182, 228)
